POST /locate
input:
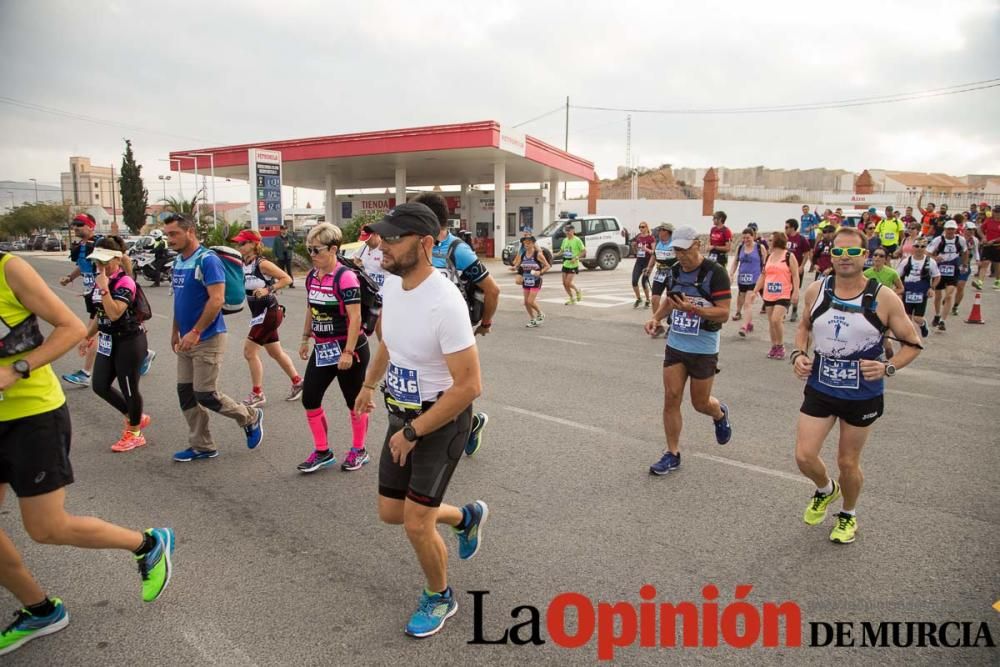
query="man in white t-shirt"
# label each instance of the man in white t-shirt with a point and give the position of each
(369, 256)
(429, 363)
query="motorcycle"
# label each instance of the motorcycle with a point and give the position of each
(143, 262)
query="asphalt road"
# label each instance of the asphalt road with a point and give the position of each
(276, 568)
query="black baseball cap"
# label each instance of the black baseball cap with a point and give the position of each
(410, 218)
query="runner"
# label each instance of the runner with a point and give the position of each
(642, 246)
(83, 226)
(340, 351)
(466, 266)
(991, 247)
(430, 366)
(199, 341)
(810, 223)
(35, 439)
(663, 260)
(262, 279)
(746, 271)
(890, 231)
(928, 216)
(873, 243)
(820, 261)
(972, 215)
(698, 302)
(906, 247)
(572, 250)
(720, 240)
(909, 220)
(801, 248)
(970, 233)
(778, 285)
(920, 274)
(887, 277)
(951, 253)
(369, 256)
(532, 264)
(848, 317)
(119, 336)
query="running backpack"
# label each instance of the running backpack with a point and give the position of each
(925, 271)
(232, 266)
(869, 303)
(140, 304)
(471, 291)
(704, 273)
(371, 299)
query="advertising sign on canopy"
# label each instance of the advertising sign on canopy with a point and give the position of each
(265, 188)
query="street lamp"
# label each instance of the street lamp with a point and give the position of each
(35, 180)
(211, 157)
(197, 200)
(164, 179)
(180, 181)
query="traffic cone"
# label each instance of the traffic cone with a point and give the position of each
(976, 316)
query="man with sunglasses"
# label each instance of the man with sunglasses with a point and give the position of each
(84, 225)
(920, 275)
(429, 366)
(820, 260)
(848, 317)
(951, 252)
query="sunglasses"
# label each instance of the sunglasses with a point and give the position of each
(919, 245)
(312, 250)
(392, 240)
(853, 251)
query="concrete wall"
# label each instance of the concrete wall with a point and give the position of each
(687, 212)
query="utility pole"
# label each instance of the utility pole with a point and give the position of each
(36, 188)
(566, 142)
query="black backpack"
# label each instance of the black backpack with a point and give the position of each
(371, 300)
(869, 303)
(925, 271)
(140, 304)
(471, 291)
(704, 273)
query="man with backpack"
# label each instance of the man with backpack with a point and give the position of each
(920, 275)
(459, 263)
(199, 341)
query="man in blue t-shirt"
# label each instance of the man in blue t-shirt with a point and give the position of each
(199, 341)
(808, 223)
(84, 226)
(698, 304)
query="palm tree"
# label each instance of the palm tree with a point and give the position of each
(182, 206)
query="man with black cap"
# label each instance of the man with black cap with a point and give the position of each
(429, 365)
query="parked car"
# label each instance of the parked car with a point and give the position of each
(37, 242)
(53, 244)
(20, 245)
(603, 237)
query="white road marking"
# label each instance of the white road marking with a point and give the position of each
(214, 648)
(556, 420)
(563, 340)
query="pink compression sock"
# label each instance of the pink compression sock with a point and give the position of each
(359, 429)
(317, 424)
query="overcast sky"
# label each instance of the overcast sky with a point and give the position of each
(185, 75)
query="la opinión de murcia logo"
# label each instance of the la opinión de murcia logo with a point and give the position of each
(706, 624)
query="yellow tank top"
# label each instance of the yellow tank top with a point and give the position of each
(39, 393)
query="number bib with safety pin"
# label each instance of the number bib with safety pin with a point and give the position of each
(530, 280)
(914, 297)
(660, 276)
(258, 319)
(403, 385)
(379, 278)
(774, 288)
(687, 324)
(89, 281)
(327, 354)
(640, 253)
(839, 373)
(947, 270)
(567, 254)
(889, 236)
(746, 279)
(104, 344)
(713, 256)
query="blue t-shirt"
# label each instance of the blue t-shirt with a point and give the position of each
(191, 275)
(686, 334)
(87, 269)
(807, 227)
(466, 262)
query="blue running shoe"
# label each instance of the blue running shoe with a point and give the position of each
(667, 463)
(433, 610)
(79, 378)
(470, 539)
(255, 430)
(190, 454)
(27, 627)
(147, 362)
(723, 429)
(479, 421)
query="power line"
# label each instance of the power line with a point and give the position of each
(815, 106)
(547, 113)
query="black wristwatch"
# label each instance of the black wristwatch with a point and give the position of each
(410, 433)
(22, 367)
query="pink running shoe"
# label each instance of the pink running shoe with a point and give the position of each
(129, 441)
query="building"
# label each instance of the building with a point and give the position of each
(88, 185)
(910, 181)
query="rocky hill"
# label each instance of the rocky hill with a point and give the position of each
(653, 184)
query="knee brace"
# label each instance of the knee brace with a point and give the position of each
(185, 392)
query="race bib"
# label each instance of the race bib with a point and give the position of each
(104, 344)
(947, 270)
(687, 324)
(889, 236)
(89, 280)
(403, 385)
(713, 256)
(774, 288)
(660, 277)
(640, 253)
(530, 280)
(379, 278)
(839, 373)
(914, 297)
(327, 354)
(567, 254)
(746, 279)
(258, 319)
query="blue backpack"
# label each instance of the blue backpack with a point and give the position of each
(232, 265)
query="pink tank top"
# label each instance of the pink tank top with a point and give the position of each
(777, 279)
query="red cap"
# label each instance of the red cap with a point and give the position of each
(85, 219)
(364, 235)
(247, 235)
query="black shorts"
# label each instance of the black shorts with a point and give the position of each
(34, 453)
(856, 413)
(784, 303)
(917, 309)
(990, 253)
(746, 288)
(91, 308)
(698, 366)
(566, 269)
(638, 272)
(430, 465)
(890, 249)
(266, 332)
(950, 281)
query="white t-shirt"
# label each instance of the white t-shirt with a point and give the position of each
(419, 327)
(917, 269)
(371, 260)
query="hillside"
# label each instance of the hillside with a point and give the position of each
(653, 184)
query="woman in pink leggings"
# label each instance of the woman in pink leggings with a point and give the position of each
(779, 287)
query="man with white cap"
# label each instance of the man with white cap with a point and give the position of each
(698, 304)
(951, 252)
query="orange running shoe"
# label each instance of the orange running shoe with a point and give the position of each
(129, 441)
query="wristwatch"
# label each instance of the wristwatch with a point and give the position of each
(890, 370)
(410, 433)
(22, 367)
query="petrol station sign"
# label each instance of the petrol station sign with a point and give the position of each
(265, 188)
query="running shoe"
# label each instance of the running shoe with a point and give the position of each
(531, 324)
(570, 301)
(79, 378)
(129, 441)
(479, 421)
(844, 531)
(471, 539)
(27, 627)
(154, 565)
(794, 316)
(254, 399)
(354, 459)
(816, 511)
(924, 331)
(954, 311)
(978, 284)
(638, 302)
(737, 317)
(667, 463)
(743, 332)
(723, 429)
(647, 304)
(432, 611)
(996, 284)
(147, 362)
(191, 454)
(772, 352)
(936, 321)
(255, 430)
(941, 326)
(318, 459)
(779, 352)
(579, 296)
(541, 317)
(296, 391)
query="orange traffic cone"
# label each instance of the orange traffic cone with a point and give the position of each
(976, 316)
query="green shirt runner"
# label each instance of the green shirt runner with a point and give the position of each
(887, 276)
(574, 247)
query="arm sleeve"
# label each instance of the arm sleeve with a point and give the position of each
(211, 269)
